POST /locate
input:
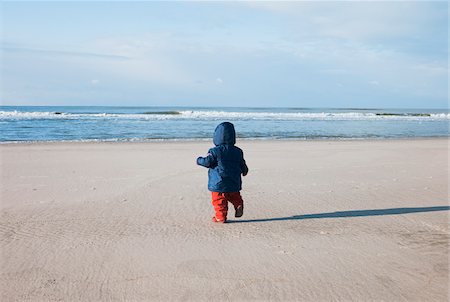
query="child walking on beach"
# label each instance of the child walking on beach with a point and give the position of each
(226, 164)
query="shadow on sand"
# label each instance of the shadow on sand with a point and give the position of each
(346, 214)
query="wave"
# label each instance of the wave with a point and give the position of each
(162, 112)
(313, 115)
(227, 115)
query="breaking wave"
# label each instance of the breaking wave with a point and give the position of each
(229, 115)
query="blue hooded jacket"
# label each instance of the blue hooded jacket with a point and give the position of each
(225, 161)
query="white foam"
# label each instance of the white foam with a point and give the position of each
(222, 115)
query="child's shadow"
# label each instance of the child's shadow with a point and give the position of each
(346, 214)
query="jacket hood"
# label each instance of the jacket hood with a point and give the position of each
(224, 134)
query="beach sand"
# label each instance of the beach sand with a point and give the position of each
(323, 221)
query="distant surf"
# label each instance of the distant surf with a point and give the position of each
(232, 115)
(163, 112)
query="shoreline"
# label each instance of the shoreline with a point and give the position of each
(244, 140)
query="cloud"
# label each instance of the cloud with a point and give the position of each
(62, 53)
(354, 20)
(432, 68)
(297, 47)
(335, 71)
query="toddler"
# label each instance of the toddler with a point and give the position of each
(226, 164)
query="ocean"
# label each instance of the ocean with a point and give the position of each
(86, 123)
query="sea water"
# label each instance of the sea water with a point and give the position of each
(85, 123)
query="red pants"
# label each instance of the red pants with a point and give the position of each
(220, 203)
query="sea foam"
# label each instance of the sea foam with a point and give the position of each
(229, 115)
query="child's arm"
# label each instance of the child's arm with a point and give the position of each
(209, 161)
(244, 167)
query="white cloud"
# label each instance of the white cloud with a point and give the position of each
(152, 59)
(335, 71)
(352, 20)
(336, 37)
(95, 82)
(433, 68)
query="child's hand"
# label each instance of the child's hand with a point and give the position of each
(209, 161)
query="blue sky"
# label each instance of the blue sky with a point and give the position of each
(295, 54)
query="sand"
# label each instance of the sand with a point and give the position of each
(323, 221)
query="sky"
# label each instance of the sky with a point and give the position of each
(338, 54)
